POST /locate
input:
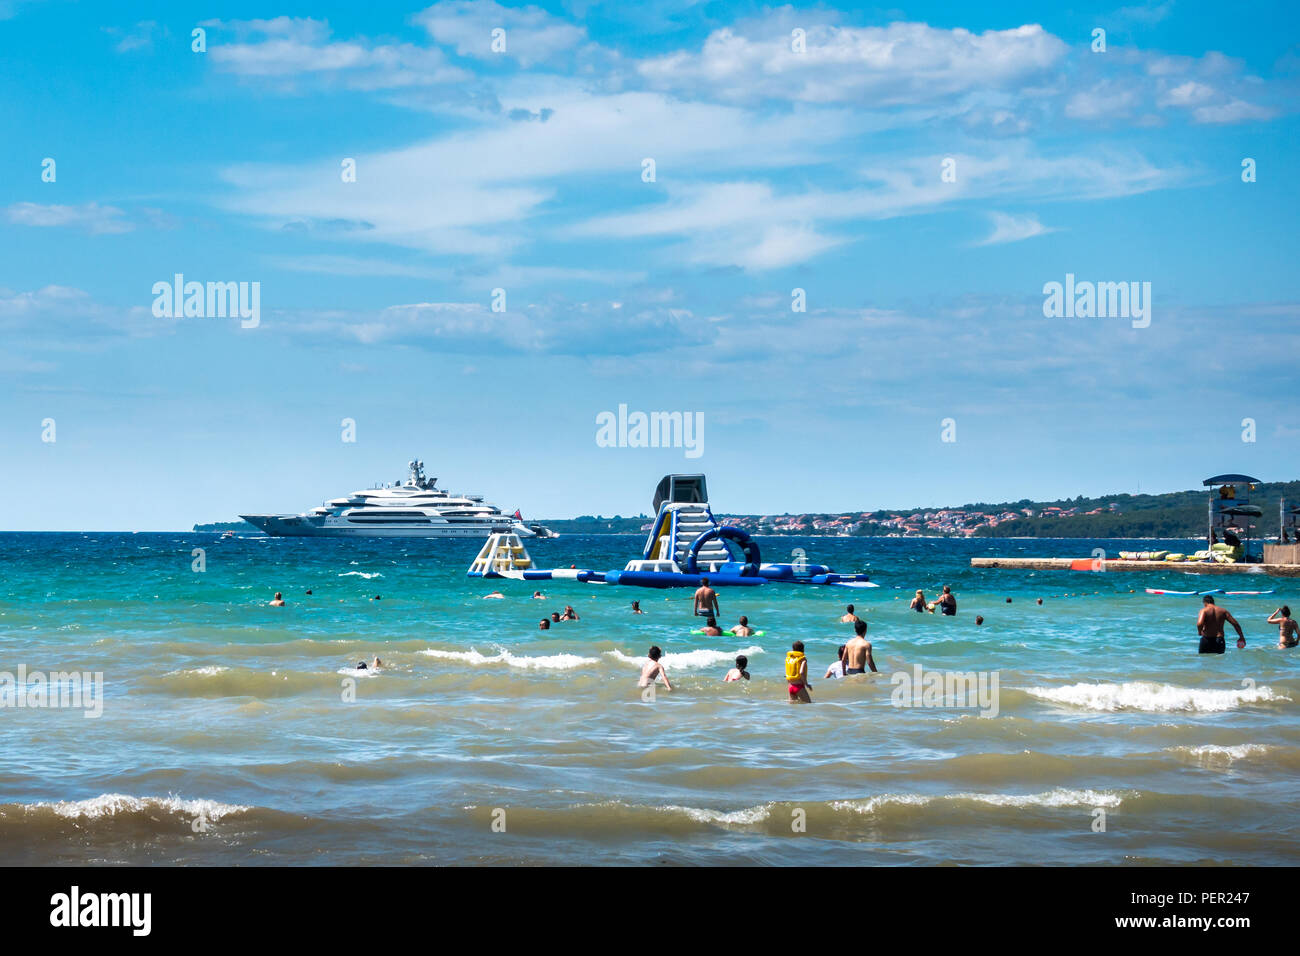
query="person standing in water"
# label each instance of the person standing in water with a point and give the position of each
(836, 670)
(857, 652)
(848, 617)
(1288, 633)
(706, 600)
(740, 671)
(652, 669)
(947, 604)
(278, 601)
(918, 602)
(1210, 626)
(796, 673)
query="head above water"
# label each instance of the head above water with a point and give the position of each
(849, 609)
(840, 652)
(555, 615)
(544, 624)
(946, 589)
(1286, 611)
(742, 662)
(859, 628)
(654, 653)
(278, 596)
(979, 619)
(636, 605)
(744, 621)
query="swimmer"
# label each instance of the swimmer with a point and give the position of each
(918, 603)
(308, 591)
(979, 620)
(361, 665)
(555, 617)
(636, 608)
(857, 652)
(836, 670)
(796, 673)
(706, 600)
(742, 628)
(278, 600)
(652, 670)
(947, 604)
(544, 624)
(1288, 632)
(539, 596)
(711, 628)
(1040, 600)
(376, 664)
(494, 596)
(377, 597)
(1008, 600)
(569, 614)
(848, 617)
(740, 671)
(1210, 626)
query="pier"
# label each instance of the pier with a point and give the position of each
(1117, 564)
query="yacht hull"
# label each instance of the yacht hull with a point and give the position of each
(299, 526)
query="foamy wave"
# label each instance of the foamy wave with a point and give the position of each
(1213, 754)
(548, 662)
(1059, 797)
(361, 574)
(1156, 698)
(746, 817)
(207, 671)
(705, 657)
(358, 671)
(114, 804)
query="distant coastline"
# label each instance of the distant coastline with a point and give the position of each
(1177, 515)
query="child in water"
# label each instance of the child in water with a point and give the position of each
(652, 669)
(739, 672)
(796, 673)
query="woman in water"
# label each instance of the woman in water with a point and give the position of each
(1288, 633)
(918, 602)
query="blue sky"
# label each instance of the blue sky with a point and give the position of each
(775, 169)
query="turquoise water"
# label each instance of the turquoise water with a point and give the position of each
(225, 736)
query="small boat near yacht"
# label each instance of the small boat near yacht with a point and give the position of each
(414, 508)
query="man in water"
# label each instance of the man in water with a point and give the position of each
(796, 673)
(538, 596)
(947, 604)
(742, 629)
(711, 628)
(857, 652)
(278, 600)
(555, 617)
(848, 617)
(569, 613)
(1210, 626)
(836, 670)
(740, 671)
(544, 624)
(652, 669)
(1287, 631)
(706, 600)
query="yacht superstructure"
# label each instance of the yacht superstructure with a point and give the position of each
(416, 508)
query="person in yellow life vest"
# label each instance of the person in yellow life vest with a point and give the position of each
(796, 673)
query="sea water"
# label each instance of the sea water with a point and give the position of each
(236, 733)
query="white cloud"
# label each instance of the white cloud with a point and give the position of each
(91, 217)
(1009, 228)
(903, 63)
(532, 35)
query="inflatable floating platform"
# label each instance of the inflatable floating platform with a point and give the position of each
(686, 545)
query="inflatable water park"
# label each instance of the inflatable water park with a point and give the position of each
(686, 544)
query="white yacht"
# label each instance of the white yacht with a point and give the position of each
(414, 508)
